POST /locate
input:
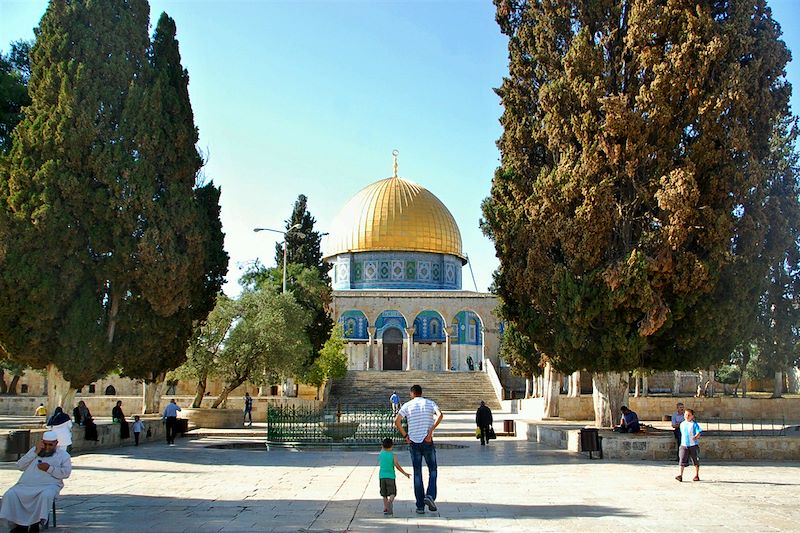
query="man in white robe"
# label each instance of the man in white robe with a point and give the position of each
(27, 504)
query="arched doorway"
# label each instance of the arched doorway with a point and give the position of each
(392, 349)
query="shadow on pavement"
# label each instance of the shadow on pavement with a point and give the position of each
(128, 513)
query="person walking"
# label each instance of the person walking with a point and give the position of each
(690, 432)
(483, 419)
(394, 401)
(422, 416)
(248, 408)
(171, 420)
(388, 462)
(138, 427)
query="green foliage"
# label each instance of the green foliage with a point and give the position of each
(109, 253)
(302, 250)
(777, 335)
(518, 351)
(628, 211)
(267, 342)
(206, 344)
(332, 360)
(728, 374)
(313, 292)
(14, 74)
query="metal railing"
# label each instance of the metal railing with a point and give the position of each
(346, 424)
(745, 427)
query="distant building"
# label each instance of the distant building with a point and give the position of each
(397, 258)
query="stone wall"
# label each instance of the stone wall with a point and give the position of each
(662, 446)
(100, 406)
(657, 407)
(108, 435)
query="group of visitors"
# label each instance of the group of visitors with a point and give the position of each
(685, 429)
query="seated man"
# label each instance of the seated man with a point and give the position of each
(27, 504)
(629, 423)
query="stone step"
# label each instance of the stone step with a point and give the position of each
(450, 390)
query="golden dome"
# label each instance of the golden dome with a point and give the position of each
(394, 215)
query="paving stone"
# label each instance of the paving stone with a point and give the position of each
(512, 485)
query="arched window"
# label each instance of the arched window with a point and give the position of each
(350, 328)
(473, 331)
(434, 328)
(111, 391)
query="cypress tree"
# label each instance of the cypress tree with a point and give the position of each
(304, 250)
(627, 211)
(107, 245)
(177, 239)
(313, 294)
(68, 204)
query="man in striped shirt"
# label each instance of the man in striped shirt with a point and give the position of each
(422, 416)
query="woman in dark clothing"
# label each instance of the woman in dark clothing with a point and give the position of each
(118, 416)
(83, 417)
(58, 418)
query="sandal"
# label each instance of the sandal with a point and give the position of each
(679, 478)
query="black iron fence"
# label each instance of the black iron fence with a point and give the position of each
(745, 427)
(339, 423)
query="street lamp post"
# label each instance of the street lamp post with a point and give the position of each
(285, 234)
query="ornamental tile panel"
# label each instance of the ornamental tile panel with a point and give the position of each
(397, 270)
(424, 270)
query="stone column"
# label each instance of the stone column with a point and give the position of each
(447, 331)
(676, 383)
(483, 348)
(371, 332)
(410, 335)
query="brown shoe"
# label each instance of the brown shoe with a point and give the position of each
(679, 478)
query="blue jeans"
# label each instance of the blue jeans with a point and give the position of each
(428, 451)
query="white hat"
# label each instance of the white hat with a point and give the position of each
(50, 436)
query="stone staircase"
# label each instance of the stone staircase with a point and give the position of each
(452, 391)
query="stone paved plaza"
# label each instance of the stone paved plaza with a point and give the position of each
(512, 485)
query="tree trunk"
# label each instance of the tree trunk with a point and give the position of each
(226, 391)
(575, 384)
(59, 391)
(112, 316)
(199, 392)
(744, 387)
(527, 388)
(712, 376)
(610, 393)
(777, 391)
(645, 386)
(701, 389)
(540, 386)
(676, 383)
(552, 387)
(3, 386)
(12, 387)
(794, 380)
(152, 395)
(637, 390)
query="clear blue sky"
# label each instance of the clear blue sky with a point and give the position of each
(311, 98)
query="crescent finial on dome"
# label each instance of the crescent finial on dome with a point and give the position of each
(395, 153)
